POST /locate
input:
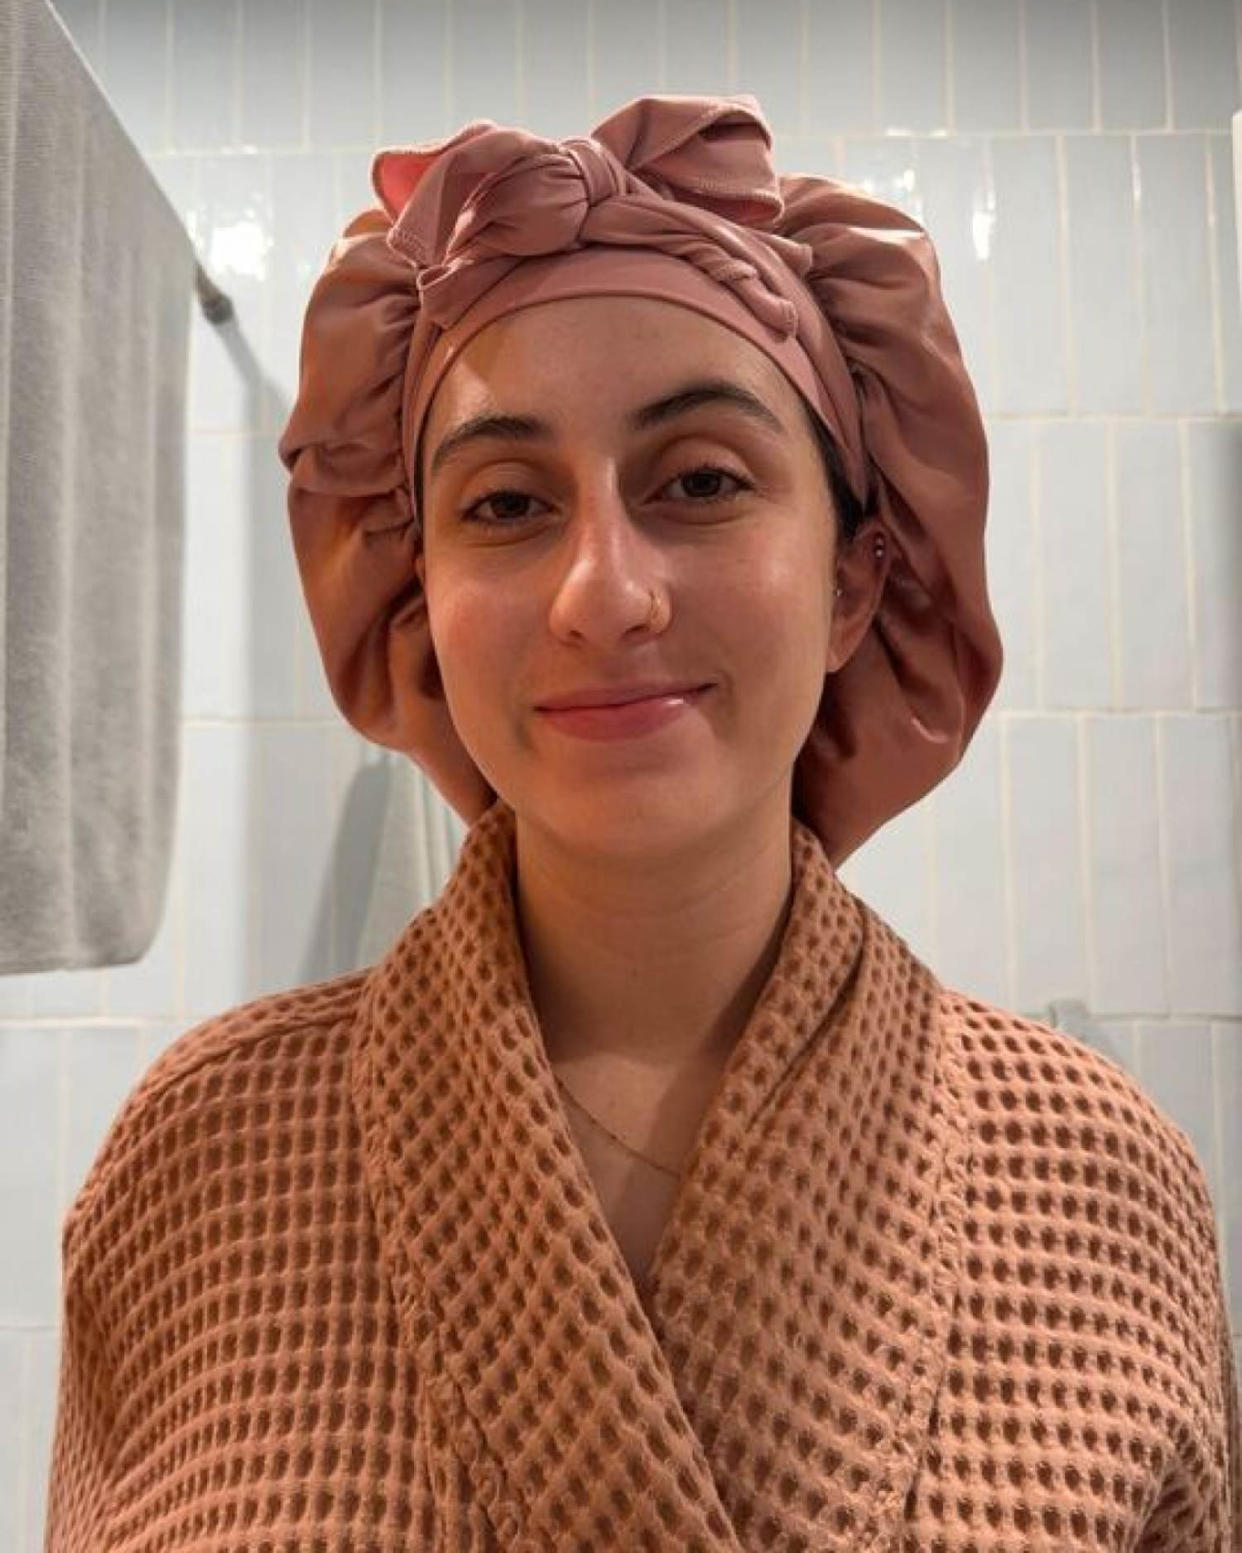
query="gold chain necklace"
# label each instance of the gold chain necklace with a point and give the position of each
(577, 1104)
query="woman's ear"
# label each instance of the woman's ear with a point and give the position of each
(861, 571)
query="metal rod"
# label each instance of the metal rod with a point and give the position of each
(217, 307)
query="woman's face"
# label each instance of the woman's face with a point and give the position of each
(541, 551)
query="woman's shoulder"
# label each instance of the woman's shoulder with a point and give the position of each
(225, 1063)
(1031, 1082)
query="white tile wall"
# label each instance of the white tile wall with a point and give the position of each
(1072, 161)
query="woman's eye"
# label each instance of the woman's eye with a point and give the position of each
(692, 477)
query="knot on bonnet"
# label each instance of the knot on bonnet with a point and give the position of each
(675, 197)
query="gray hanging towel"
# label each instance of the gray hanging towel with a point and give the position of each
(96, 286)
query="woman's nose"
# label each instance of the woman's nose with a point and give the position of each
(607, 570)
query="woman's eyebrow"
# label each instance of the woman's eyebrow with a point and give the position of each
(529, 428)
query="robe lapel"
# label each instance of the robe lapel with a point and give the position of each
(778, 1394)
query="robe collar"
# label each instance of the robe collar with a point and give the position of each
(775, 1392)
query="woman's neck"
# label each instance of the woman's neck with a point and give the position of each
(652, 967)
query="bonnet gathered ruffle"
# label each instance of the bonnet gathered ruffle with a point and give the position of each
(841, 289)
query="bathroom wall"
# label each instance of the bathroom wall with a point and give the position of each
(1071, 159)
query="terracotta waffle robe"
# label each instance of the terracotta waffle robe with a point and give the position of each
(936, 1277)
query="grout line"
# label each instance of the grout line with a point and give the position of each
(1168, 63)
(1024, 92)
(1216, 1040)
(1008, 870)
(1097, 111)
(877, 67)
(593, 112)
(377, 72)
(950, 83)
(1040, 600)
(1214, 277)
(1085, 835)
(306, 93)
(1189, 578)
(662, 46)
(1112, 531)
(1063, 260)
(731, 44)
(1140, 270)
(989, 188)
(450, 51)
(1162, 852)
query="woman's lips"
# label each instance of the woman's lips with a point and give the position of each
(625, 721)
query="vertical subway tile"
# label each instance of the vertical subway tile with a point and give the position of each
(819, 155)
(149, 986)
(352, 187)
(1177, 288)
(1205, 922)
(1128, 961)
(971, 920)
(101, 1067)
(1131, 63)
(1152, 567)
(892, 872)
(29, 1103)
(913, 53)
(233, 224)
(1224, 237)
(770, 59)
(1076, 628)
(217, 822)
(1203, 63)
(1059, 87)
(295, 840)
(304, 228)
(1046, 855)
(884, 166)
(1011, 556)
(204, 75)
(1028, 285)
(216, 647)
(341, 85)
(314, 694)
(136, 70)
(1118, 1041)
(413, 71)
(275, 599)
(840, 66)
(625, 53)
(273, 72)
(956, 196)
(555, 99)
(696, 55)
(1214, 451)
(67, 994)
(1176, 1070)
(987, 88)
(483, 50)
(177, 176)
(1105, 303)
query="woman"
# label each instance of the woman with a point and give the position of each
(649, 1193)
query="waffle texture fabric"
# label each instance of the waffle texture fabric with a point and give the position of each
(937, 1278)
